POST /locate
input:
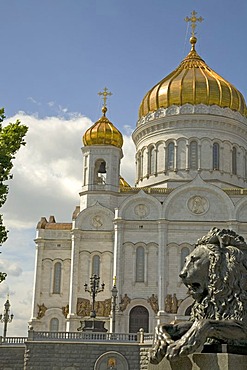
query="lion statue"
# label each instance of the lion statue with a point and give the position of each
(215, 274)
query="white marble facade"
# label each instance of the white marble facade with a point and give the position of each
(191, 175)
(141, 236)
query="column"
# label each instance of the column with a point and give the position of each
(71, 323)
(37, 277)
(162, 263)
(118, 237)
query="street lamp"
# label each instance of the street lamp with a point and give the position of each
(94, 289)
(6, 318)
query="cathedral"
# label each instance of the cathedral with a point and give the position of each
(191, 175)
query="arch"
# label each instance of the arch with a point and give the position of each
(57, 278)
(111, 360)
(223, 209)
(216, 156)
(138, 318)
(54, 324)
(193, 155)
(126, 208)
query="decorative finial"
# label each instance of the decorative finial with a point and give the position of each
(193, 19)
(105, 93)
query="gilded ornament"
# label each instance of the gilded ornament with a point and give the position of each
(41, 310)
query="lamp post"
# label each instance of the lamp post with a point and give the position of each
(114, 293)
(6, 317)
(94, 289)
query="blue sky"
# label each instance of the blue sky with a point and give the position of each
(65, 51)
(56, 56)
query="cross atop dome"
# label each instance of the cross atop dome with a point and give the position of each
(193, 19)
(105, 93)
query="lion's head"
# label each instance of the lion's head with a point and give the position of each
(216, 276)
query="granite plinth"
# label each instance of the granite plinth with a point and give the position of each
(93, 326)
(204, 361)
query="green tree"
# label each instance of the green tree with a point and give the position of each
(11, 139)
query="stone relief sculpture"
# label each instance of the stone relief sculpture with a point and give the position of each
(41, 310)
(102, 308)
(216, 276)
(168, 303)
(83, 307)
(153, 301)
(124, 301)
(65, 310)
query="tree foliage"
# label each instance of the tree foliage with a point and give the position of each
(11, 139)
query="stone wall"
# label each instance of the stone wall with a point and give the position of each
(79, 356)
(11, 357)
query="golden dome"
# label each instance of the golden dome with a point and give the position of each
(103, 132)
(193, 82)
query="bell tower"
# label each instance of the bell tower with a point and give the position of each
(102, 153)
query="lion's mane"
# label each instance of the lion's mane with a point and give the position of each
(227, 288)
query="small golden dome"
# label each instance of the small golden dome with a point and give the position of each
(123, 183)
(103, 132)
(193, 82)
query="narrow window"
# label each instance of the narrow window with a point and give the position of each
(140, 256)
(96, 265)
(57, 278)
(170, 156)
(100, 172)
(151, 161)
(216, 156)
(193, 155)
(54, 324)
(184, 253)
(234, 160)
(140, 165)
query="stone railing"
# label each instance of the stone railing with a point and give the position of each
(139, 337)
(13, 340)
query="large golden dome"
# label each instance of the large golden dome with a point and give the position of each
(193, 82)
(103, 132)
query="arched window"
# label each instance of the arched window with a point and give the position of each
(216, 156)
(57, 278)
(100, 172)
(139, 165)
(54, 324)
(139, 318)
(140, 264)
(170, 156)
(96, 265)
(193, 155)
(151, 161)
(234, 160)
(184, 253)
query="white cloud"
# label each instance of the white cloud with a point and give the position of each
(47, 181)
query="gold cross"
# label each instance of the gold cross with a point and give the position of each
(193, 19)
(105, 94)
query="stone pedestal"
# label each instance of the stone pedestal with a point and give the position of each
(204, 361)
(93, 326)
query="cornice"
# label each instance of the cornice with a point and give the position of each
(175, 110)
(187, 116)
